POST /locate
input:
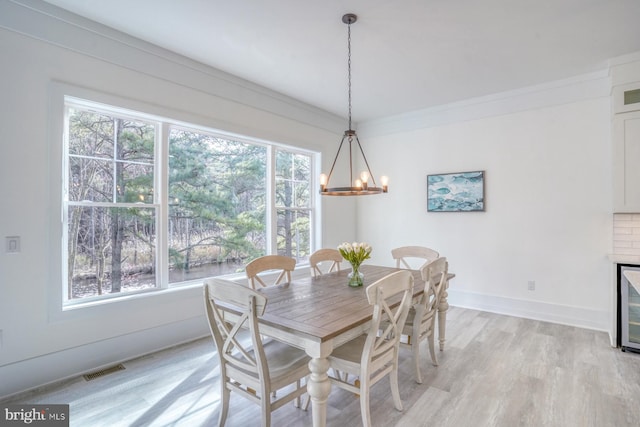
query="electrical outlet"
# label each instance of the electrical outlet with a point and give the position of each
(13, 244)
(531, 285)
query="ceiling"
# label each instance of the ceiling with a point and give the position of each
(406, 55)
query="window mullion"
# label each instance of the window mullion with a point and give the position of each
(271, 214)
(161, 197)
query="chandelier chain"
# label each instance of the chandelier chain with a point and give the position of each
(349, 68)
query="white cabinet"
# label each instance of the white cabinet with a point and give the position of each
(626, 98)
(626, 162)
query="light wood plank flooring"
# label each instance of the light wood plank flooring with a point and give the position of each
(495, 371)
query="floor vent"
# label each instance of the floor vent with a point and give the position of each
(103, 372)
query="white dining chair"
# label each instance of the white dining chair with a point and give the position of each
(321, 256)
(421, 320)
(374, 355)
(252, 368)
(266, 263)
(404, 256)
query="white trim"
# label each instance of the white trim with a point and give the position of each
(574, 89)
(555, 313)
(624, 59)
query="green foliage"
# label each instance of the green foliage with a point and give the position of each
(218, 186)
(216, 191)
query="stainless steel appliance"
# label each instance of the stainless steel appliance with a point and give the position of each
(629, 311)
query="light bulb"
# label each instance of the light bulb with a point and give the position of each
(323, 182)
(384, 180)
(364, 176)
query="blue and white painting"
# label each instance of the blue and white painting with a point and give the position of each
(455, 192)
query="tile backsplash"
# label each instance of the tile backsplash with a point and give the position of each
(626, 234)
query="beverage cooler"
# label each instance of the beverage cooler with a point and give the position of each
(630, 308)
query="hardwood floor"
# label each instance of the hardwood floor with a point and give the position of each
(495, 371)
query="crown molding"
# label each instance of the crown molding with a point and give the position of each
(624, 59)
(574, 89)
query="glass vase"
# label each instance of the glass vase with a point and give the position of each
(356, 278)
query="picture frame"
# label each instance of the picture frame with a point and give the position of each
(456, 192)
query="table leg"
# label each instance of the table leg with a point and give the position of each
(442, 316)
(318, 388)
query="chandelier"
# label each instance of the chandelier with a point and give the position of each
(360, 186)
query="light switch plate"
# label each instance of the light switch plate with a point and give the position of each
(13, 244)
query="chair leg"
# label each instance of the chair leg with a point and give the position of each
(266, 415)
(296, 402)
(307, 400)
(364, 402)
(224, 410)
(415, 349)
(395, 392)
(432, 350)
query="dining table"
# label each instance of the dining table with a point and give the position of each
(318, 314)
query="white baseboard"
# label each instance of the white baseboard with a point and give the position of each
(598, 320)
(43, 370)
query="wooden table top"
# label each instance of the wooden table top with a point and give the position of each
(325, 307)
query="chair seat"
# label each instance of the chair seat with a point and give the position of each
(284, 362)
(284, 359)
(347, 357)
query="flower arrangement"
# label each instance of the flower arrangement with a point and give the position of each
(355, 253)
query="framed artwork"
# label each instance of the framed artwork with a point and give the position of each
(455, 192)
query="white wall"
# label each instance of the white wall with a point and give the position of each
(37, 343)
(546, 153)
(545, 150)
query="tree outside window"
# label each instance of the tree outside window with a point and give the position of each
(214, 217)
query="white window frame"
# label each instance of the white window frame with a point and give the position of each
(62, 95)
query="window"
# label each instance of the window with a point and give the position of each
(217, 211)
(135, 221)
(293, 203)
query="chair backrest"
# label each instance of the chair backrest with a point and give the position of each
(434, 275)
(382, 348)
(239, 359)
(403, 253)
(270, 262)
(322, 255)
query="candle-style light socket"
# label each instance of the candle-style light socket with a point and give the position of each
(323, 182)
(384, 180)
